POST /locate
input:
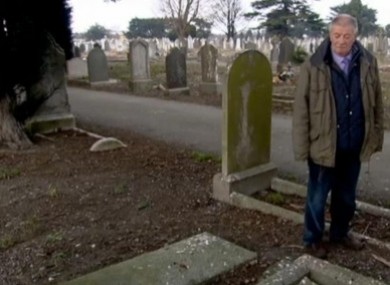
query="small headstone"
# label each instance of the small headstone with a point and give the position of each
(176, 70)
(97, 65)
(153, 49)
(76, 52)
(107, 46)
(286, 52)
(246, 128)
(77, 68)
(209, 63)
(140, 66)
(370, 47)
(105, 144)
(83, 48)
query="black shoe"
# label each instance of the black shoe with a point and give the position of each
(350, 242)
(318, 250)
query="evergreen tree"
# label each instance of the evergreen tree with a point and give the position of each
(365, 16)
(286, 17)
(26, 28)
(96, 32)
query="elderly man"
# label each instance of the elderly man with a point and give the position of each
(337, 124)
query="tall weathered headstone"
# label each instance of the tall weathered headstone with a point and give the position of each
(286, 52)
(107, 46)
(139, 66)
(176, 70)
(275, 51)
(76, 51)
(54, 114)
(209, 63)
(97, 65)
(246, 128)
(370, 47)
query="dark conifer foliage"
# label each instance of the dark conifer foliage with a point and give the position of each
(23, 28)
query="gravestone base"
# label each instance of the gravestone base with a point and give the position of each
(106, 82)
(51, 123)
(141, 86)
(178, 91)
(208, 88)
(246, 182)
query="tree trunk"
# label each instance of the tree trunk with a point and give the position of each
(11, 132)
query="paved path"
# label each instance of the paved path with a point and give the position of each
(199, 127)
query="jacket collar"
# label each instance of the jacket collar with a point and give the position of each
(323, 54)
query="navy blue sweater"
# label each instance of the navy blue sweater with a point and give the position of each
(349, 106)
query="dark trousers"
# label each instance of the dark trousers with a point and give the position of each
(342, 180)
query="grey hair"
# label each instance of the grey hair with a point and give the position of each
(344, 20)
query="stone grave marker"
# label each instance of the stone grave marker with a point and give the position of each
(54, 114)
(196, 260)
(275, 51)
(246, 128)
(370, 47)
(77, 68)
(209, 63)
(139, 67)
(97, 65)
(107, 46)
(286, 48)
(176, 70)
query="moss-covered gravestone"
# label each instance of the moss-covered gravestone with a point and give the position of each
(246, 128)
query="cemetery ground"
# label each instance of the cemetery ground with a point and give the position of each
(66, 211)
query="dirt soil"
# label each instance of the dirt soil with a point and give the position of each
(65, 211)
(362, 223)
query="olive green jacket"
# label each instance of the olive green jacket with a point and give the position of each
(314, 116)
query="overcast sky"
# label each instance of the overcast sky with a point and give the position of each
(117, 16)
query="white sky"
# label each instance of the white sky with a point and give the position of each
(116, 16)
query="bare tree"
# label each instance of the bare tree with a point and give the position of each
(181, 13)
(226, 13)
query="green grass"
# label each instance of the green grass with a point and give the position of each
(54, 237)
(120, 71)
(205, 157)
(275, 198)
(31, 226)
(53, 192)
(156, 69)
(9, 173)
(7, 241)
(121, 188)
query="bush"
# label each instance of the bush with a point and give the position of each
(299, 55)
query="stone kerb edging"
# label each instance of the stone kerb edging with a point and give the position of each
(291, 188)
(320, 271)
(247, 202)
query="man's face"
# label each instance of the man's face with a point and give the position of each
(342, 38)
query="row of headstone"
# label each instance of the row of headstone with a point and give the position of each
(268, 46)
(140, 77)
